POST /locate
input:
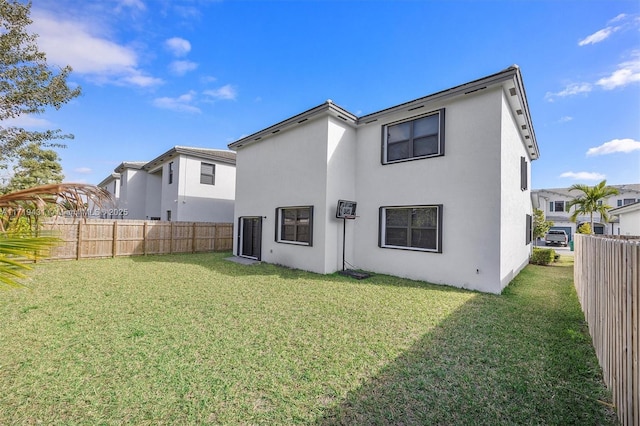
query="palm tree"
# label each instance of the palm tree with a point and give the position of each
(19, 246)
(591, 201)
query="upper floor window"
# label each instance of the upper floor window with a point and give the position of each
(556, 206)
(626, 202)
(295, 225)
(413, 228)
(523, 174)
(207, 174)
(170, 173)
(420, 137)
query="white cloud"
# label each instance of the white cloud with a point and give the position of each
(73, 43)
(628, 72)
(227, 92)
(73, 180)
(571, 90)
(178, 46)
(182, 103)
(618, 18)
(583, 175)
(208, 79)
(598, 36)
(136, 78)
(133, 4)
(182, 67)
(565, 119)
(616, 145)
(622, 21)
(83, 170)
(26, 121)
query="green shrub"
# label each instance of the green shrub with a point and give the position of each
(543, 256)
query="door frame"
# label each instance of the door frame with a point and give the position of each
(257, 249)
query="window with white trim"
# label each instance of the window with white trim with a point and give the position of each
(411, 228)
(420, 137)
(207, 174)
(556, 206)
(170, 179)
(626, 202)
(295, 225)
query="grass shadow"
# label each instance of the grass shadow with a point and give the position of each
(524, 357)
(216, 262)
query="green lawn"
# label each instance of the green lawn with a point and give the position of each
(194, 339)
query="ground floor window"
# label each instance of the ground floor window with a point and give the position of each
(295, 225)
(411, 227)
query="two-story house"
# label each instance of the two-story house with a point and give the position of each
(441, 185)
(182, 184)
(111, 184)
(554, 203)
(191, 184)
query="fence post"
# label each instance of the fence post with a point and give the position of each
(79, 242)
(193, 238)
(171, 238)
(144, 238)
(114, 243)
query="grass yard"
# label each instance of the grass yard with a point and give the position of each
(194, 339)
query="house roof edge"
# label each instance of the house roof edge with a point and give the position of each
(328, 107)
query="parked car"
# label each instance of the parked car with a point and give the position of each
(556, 237)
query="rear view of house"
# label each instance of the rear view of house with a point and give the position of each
(441, 185)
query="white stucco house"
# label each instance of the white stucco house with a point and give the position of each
(111, 184)
(441, 185)
(629, 218)
(133, 183)
(553, 202)
(182, 184)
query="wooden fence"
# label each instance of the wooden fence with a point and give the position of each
(607, 279)
(94, 238)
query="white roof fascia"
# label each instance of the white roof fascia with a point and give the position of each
(327, 107)
(153, 165)
(111, 177)
(626, 209)
(510, 79)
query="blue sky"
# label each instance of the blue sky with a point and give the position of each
(160, 73)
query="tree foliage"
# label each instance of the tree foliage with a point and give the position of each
(540, 225)
(591, 201)
(28, 85)
(35, 166)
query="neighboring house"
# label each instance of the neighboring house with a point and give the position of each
(182, 184)
(191, 184)
(111, 184)
(553, 202)
(441, 185)
(629, 218)
(133, 183)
